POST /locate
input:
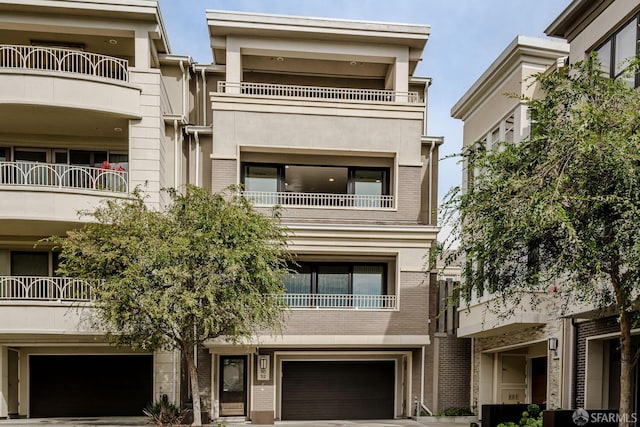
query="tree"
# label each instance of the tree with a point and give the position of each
(562, 206)
(207, 266)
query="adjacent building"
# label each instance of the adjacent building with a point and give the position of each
(511, 360)
(538, 355)
(323, 117)
(609, 28)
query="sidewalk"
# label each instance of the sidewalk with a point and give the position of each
(141, 421)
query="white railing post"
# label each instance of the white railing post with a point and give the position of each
(318, 92)
(64, 60)
(64, 176)
(340, 301)
(362, 201)
(39, 288)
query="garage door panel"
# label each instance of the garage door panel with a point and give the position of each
(338, 390)
(96, 385)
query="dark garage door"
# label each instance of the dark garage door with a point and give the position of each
(326, 390)
(87, 386)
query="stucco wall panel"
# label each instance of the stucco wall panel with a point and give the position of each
(70, 92)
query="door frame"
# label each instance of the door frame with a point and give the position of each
(245, 358)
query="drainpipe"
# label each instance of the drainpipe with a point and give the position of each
(422, 351)
(175, 372)
(197, 158)
(430, 202)
(204, 98)
(176, 174)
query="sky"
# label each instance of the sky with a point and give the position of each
(466, 37)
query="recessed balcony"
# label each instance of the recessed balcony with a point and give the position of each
(319, 93)
(110, 178)
(317, 186)
(66, 79)
(64, 61)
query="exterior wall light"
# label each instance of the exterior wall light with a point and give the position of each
(553, 344)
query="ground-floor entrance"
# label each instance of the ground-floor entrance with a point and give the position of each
(89, 385)
(324, 390)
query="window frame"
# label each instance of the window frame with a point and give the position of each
(611, 39)
(351, 171)
(313, 271)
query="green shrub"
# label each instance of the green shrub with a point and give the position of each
(455, 412)
(164, 413)
(532, 417)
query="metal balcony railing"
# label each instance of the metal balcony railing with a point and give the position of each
(340, 301)
(64, 176)
(266, 198)
(319, 92)
(64, 60)
(36, 288)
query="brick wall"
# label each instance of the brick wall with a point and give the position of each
(204, 379)
(411, 319)
(454, 373)
(585, 330)
(223, 174)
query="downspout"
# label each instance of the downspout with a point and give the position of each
(197, 158)
(175, 372)
(430, 203)
(423, 357)
(176, 174)
(204, 98)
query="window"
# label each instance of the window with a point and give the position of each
(359, 285)
(620, 47)
(314, 185)
(25, 263)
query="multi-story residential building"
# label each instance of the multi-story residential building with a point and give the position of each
(511, 360)
(571, 361)
(81, 108)
(323, 117)
(609, 28)
(326, 118)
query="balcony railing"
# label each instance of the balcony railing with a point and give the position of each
(63, 176)
(318, 92)
(36, 288)
(63, 60)
(340, 301)
(267, 198)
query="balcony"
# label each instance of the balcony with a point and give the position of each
(319, 200)
(319, 93)
(38, 288)
(339, 301)
(487, 317)
(63, 176)
(63, 61)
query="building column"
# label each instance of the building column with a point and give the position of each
(234, 66)
(142, 49)
(147, 143)
(401, 76)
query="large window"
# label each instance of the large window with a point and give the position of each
(618, 48)
(338, 284)
(314, 185)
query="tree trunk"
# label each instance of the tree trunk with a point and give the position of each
(626, 370)
(195, 387)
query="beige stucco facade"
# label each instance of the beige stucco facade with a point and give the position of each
(105, 108)
(511, 361)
